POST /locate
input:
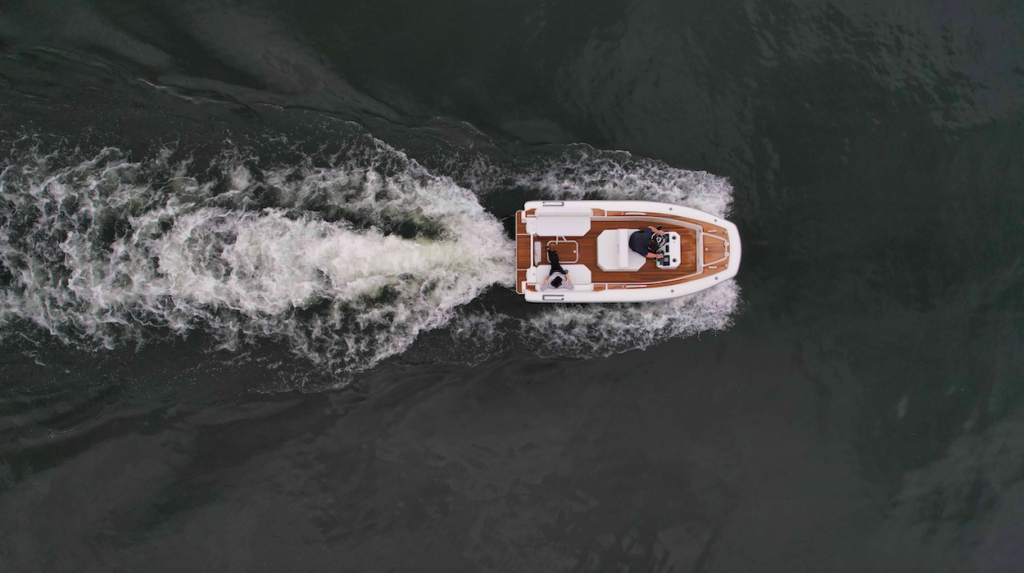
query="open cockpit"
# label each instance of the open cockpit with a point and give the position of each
(592, 242)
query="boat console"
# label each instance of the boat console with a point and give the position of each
(669, 249)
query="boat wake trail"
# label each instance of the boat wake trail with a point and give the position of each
(345, 259)
(346, 263)
(602, 330)
(589, 331)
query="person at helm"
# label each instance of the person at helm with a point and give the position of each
(644, 243)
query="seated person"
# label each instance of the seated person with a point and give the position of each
(643, 242)
(558, 278)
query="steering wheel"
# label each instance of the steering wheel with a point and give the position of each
(661, 240)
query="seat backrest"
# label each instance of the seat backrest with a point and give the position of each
(562, 226)
(624, 247)
(563, 212)
(579, 274)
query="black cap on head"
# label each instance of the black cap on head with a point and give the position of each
(556, 282)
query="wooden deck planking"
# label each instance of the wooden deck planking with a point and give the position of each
(520, 224)
(523, 246)
(649, 275)
(567, 251)
(649, 272)
(708, 227)
(714, 251)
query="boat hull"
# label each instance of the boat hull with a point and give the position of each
(711, 251)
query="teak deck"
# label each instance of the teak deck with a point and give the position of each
(647, 273)
(715, 253)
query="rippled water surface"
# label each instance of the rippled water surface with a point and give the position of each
(257, 308)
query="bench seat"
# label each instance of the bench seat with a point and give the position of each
(578, 274)
(614, 254)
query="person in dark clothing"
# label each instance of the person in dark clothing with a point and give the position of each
(643, 242)
(558, 277)
(556, 267)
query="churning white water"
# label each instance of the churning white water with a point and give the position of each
(106, 249)
(347, 263)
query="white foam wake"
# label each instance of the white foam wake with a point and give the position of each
(348, 263)
(582, 172)
(601, 330)
(588, 331)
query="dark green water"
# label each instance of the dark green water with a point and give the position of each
(202, 371)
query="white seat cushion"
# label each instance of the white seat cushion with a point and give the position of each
(561, 226)
(564, 212)
(578, 274)
(624, 247)
(614, 254)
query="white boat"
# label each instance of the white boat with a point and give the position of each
(592, 242)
